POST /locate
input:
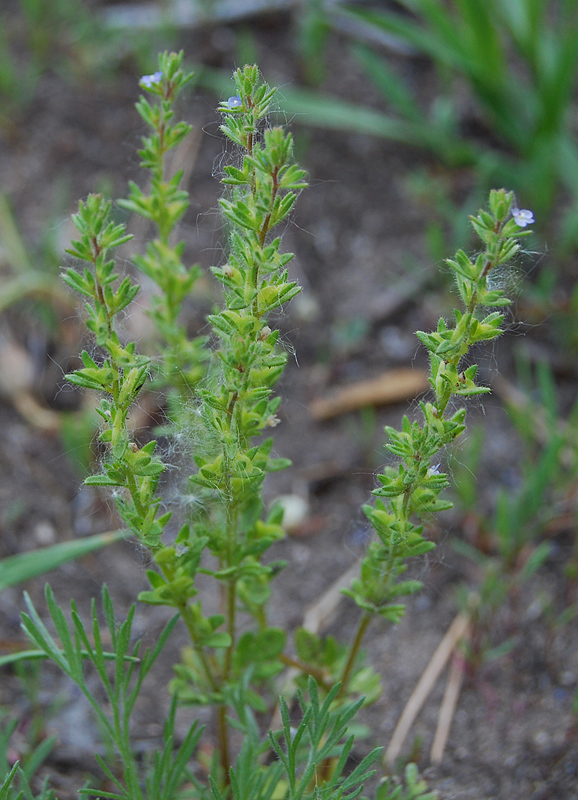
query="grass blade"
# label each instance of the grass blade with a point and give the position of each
(19, 568)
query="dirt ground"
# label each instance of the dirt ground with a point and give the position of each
(357, 232)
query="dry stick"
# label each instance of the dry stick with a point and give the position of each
(36, 414)
(426, 683)
(449, 703)
(392, 386)
(17, 384)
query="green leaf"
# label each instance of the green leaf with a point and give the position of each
(219, 639)
(307, 644)
(6, 793)
(78, 283)
(537, 557)
(104, 480)
(21, 567)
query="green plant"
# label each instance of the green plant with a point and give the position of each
(17, 786)
(33, 280)
(518, 59)
(17, 780)
(39, 287)
(226, 405)
(23, 566)
(236, 403)
(45, 34)
(510, 543)
(67, 37)
(33, 274)
(413, 489)
(414, 789)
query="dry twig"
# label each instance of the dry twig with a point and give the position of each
(393, 386)
(449, 704)
(455, 632)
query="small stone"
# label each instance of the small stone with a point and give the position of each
(535, 610)
(44, 533)
(305, 308)
(295, 511)
(541, 740)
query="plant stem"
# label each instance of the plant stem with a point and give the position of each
(231, 618)
(198, 650)
(223, 732)
(308, 669)
(363, 624)
(224, 745)
(222, 712)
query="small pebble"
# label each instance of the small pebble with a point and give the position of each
(305, 308)
(535, 610)
(44, 533)
(295, 511)
(541, 740)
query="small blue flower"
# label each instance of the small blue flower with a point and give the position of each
(149, 80)
(522, 216)
(234, 102)
(435, 470)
